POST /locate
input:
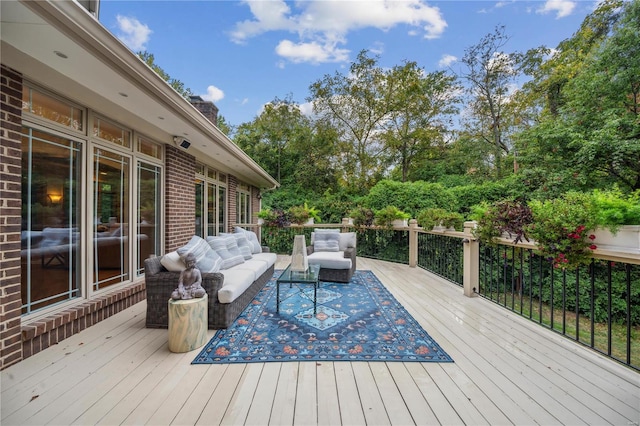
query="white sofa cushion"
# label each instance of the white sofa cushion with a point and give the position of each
(268, 258)
(330, 260)
(256, 266)
(236, 281)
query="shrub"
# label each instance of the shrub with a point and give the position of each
(385, 217)
(512, 217)
(428, 218)
(562, 228)
(362, 216)
(615, 209)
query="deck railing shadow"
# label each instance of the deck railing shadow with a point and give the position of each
(597, 305)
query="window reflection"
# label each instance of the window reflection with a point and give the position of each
(50, 239)
(148, 240)
(111, 218)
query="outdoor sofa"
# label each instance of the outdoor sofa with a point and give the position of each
(236, 281)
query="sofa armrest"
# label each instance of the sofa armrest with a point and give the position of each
(266, 249)
(309, 250)
(350, 252)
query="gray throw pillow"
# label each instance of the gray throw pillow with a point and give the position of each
(326, 241)
(219, 244)
(253, 239)
(207, 260)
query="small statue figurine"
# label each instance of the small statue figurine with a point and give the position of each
(190, 284)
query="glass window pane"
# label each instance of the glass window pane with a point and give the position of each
(111, 132)
(51, 202)
(211, 210)
(149, 148)
(149, 191)
(199, 207)
(222, 209)
(53, 109)
(111, 190)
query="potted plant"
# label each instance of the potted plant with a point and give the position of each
(438, 219)
(304, 214)
(618, 219)
(274, 217)
(362, 216)
(390, 217)
(562, 228)
(506, 218)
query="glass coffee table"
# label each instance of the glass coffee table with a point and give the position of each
(310, 276)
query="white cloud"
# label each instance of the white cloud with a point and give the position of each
(213, 94)
(323, 24)
(312, 52)
(133, 33)
(306, 109)
(562, 8)
(446, 61)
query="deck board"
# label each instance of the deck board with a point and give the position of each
(507, 369)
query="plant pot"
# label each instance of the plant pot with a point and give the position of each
(260, 221)
(627, 239)
(309, 221)
(439, 228)
(400, 223)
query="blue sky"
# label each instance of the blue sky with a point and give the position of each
(243, 54)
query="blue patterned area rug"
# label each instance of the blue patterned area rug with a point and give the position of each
(359, 321)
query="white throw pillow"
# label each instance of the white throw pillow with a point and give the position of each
(172, 262)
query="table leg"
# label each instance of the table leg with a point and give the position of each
(315, 297)
(277, 297)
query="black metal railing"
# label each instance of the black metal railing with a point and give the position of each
(384, 244)
(441, 255)
(597, 305)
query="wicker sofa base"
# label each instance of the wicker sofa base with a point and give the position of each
(160, 283)
(222, 315)
(335, 275)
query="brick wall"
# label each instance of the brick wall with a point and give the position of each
(10, 215)
(180, 198)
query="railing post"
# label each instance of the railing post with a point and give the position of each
(413, 243)
(471, 259)
(345, 224)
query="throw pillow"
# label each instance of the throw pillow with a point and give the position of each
(172, 262)
(244, 245)
(253, 239)
(207, 260)
(326, 241)
(347, 239)
(317, 230)
(219, 244)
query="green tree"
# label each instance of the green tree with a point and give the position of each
(178, 85)
(490, 74)
(420, 114)
(356, 105)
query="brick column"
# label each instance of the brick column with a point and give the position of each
(10, 216)
(180, 198)
(232, 187)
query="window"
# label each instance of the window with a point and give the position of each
(111, 132)
(149, 213)
(50, 108)
(111, 191)
(91, 201)
(51, 210)
(243, 203)
(211, 202)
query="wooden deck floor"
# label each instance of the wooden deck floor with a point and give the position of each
(507, 370)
